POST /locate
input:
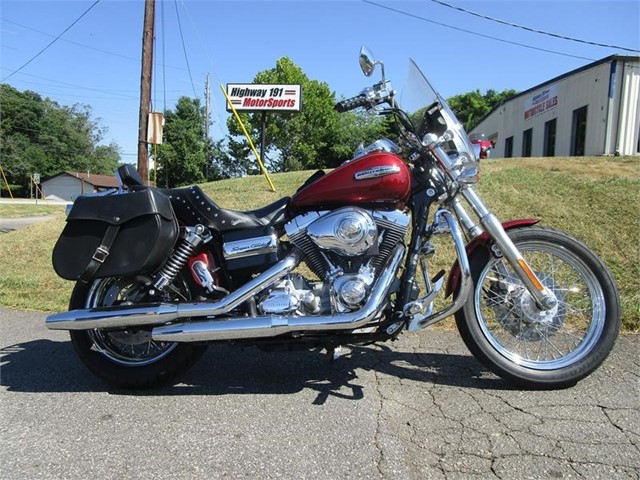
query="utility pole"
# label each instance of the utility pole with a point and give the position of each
(207, 111)
(145, 87)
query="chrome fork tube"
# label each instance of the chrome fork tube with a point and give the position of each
(494, 229)
(472, 228)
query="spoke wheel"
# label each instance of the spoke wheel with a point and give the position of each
(502, 325)
(131, 347)
(130, 358)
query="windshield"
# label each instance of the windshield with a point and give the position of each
(430, 113)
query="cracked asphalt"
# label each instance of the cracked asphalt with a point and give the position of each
(418, 408)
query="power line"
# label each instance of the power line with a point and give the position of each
(529, 29)
(206, 52)
(417, 17)
(106, 52)
(88, 47)
(184, 49)
(72, 85)
(202, 43)
(119, 93)
(52, 41)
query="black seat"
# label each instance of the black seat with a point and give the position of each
(129, 176)
(193, 206)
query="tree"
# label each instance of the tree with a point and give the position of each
(315, 137)
(352, 129)
(232, 158)
(37, 135)
(182, 158)
(470, 107)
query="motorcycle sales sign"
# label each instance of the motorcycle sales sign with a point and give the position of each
(264, 97)
(541, 102)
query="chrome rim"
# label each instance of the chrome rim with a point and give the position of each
(519, 331)
(133, 346)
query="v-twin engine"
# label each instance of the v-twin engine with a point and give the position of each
(347, 238)
(346, 249)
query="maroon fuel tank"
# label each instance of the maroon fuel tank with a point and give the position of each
(379, 179)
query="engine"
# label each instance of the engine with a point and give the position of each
(345, 248)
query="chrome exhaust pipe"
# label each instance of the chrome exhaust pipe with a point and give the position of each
(121, 316)
(271, 325)
(126, 316)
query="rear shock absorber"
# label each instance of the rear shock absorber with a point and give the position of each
(193, 237)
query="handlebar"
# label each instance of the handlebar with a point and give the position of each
(352, 103)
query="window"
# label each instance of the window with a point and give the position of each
(550, 138)
(579, 132)
(527, 136)
(508, 147)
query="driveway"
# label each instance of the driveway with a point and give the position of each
(417, 408)
(9, 224)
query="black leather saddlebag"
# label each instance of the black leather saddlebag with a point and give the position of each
(116, 235)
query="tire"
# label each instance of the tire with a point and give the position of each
(503, 328)
(129, 358)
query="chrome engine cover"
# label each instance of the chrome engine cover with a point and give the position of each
(287, 297)
(349, 291)
(349, 231)
(324, 255)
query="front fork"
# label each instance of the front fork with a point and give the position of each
(544, 299)
(444, 222)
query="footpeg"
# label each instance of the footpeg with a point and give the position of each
(421, 308)
(417, 306)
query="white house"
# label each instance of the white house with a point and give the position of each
(593, 110)
(68, 185)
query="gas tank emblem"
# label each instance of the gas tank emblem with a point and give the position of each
(378, 171)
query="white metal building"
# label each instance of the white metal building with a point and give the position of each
(593, 110)
(68, 185)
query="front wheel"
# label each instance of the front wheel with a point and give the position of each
(503, 327)
(129, 358)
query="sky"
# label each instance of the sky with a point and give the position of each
(97, 61)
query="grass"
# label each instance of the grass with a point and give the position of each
(596, 199)
(15, 210)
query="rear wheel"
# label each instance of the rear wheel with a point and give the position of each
(503, 327)
(130, 358)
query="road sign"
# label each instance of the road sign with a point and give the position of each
(263, 97)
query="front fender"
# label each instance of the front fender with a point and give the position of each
(481, 240)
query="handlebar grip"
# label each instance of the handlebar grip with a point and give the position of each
(351, 103)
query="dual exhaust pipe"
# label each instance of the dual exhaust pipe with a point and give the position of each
(204, 326)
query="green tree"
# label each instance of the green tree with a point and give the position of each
(315, 137)
(470, 107)
(182, 158)
(39, 135)
(232, 158)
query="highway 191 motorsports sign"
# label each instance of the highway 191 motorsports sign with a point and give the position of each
(261, 97)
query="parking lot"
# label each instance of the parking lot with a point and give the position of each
(418, 408)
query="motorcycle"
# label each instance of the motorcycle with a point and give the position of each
(162, 273)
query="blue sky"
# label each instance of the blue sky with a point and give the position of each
(97, 62)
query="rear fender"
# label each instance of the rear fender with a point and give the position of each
(482, 241)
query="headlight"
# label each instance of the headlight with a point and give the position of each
(464, 162)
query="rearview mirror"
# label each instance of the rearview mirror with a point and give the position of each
(367, 62)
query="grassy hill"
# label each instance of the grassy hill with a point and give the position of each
(596, 199)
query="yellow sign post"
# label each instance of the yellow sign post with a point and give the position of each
(246, 134)
(5, 181)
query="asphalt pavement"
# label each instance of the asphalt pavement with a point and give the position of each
(9, 224)
(418, 408)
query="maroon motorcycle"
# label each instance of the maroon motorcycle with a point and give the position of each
(163, 273)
